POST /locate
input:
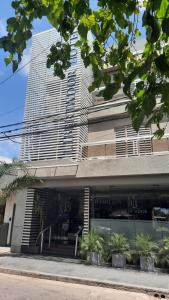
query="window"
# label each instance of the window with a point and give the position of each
(132, 143)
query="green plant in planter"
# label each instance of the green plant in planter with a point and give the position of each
(163, 254)
(119, 244)
(147, 249)
(106, 253)
(120, 250)
(145, 246)
(91, 246)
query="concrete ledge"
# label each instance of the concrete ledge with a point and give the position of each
(91, 282)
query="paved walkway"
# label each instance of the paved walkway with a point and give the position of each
(4, 250)
(74, 272)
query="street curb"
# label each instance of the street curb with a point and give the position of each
(90, 282)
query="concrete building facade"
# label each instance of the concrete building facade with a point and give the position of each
(97, 172)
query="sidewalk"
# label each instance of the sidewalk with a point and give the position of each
(79, 273)
(5, 250)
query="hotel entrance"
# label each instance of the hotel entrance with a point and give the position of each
(63, 223)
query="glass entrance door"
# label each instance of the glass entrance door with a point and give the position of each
(65, 213)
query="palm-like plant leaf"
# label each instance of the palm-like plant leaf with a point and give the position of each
(91, 242)
(18, 183)
(145, 246)
(10, 168)
(119, 244)
(163, 254)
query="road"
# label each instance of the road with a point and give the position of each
(14, 287)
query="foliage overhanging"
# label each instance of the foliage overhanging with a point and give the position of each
(114, 25)
(18, 182)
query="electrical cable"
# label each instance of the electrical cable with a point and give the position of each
(69, 116)
(54, 129)
(59, 114)
(21, 68)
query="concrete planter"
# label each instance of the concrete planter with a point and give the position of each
(118, 260)
(147, 264)
(94, 258)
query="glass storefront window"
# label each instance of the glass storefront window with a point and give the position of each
(130, 205)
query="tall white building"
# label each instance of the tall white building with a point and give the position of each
(55, 107)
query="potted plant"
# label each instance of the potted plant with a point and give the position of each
(163, 254)
(106, 253)
(91, 246)
(146, 249)
(120, 250)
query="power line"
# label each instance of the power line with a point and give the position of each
(69, 116)
(80, 124)
(11, 139)
(21, 68)
(11, 111)
(32, 120)
(21, 106)
(58, 114)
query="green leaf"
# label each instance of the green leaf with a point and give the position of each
(110, 90)
(137, 33)
(138, 120)
(15, 4)
(165, 26)
(159, 133)
(150, 21)
(14, 66)
(149, 103)
(83, 30)
(163, 11)
(162, 63)
(8, 59)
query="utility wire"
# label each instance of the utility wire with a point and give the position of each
(69, 117)
(11, 139)
(11, 111)
(21, 68)
(60, 114)
(80, 124)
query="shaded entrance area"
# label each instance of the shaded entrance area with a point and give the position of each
(56, 222)
(64, 217)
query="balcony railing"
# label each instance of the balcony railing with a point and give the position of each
(126, 147)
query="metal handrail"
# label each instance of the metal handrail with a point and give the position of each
(77, 239)
(136, 139)
(127, 139)
(41, 235)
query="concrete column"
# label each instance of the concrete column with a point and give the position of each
(18, 225)
(86, 210)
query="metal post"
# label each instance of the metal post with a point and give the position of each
(50, 235)
(76, 244)
(41, 243)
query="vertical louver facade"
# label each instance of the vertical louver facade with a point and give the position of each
(56, 110)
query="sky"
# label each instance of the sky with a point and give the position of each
(13, 91)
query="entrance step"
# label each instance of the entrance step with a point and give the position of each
(61, 250)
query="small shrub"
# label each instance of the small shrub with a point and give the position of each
(91, 242)
(163, 254)
(119, 245)
(145, 246)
